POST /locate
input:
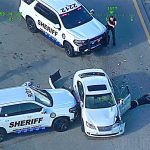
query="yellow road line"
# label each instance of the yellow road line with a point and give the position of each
(142, 20)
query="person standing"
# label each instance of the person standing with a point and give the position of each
(111, 24)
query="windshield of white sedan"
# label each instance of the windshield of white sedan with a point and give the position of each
(75, 17)
(99, 101)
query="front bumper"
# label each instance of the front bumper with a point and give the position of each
(113, 132)
(94, 42)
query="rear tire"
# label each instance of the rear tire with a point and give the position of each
(31, 25)
(61, 124)
(2, 134)
(69, 49)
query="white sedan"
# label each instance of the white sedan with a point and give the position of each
(100, 112)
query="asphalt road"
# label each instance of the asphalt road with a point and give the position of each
(31, 57)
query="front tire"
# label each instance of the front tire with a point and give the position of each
(69, 49)
(2, 134)
(61, 124)
(31, 25)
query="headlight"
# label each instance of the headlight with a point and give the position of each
(79, 42)
(90, 125)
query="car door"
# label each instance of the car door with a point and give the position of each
(81, 95)
(124, 102)
(79, 91)
(12, 117)
(38, 115)
(48, 22)
(25, 115)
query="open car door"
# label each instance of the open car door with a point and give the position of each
(53, 79)
(124, 103)
(56, 81)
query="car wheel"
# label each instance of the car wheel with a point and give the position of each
(82, 126)
(69, 49)
(2, 134)
(61, 124)
(31, 25)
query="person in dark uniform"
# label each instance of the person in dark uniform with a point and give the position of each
(111, 23)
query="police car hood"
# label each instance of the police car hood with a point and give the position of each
(88, 30)
(62, 98)
(102, 116)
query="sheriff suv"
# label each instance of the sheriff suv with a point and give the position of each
(26, 108)
(67, 23)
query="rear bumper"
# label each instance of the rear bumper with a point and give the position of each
(114, 132)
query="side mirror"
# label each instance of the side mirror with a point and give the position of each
(92, 11)
(43, 111)
(57, 26)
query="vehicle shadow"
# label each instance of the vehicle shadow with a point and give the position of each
(137, 119)
(138, 84)
(28, 135)
(25, 136)
(76, 124)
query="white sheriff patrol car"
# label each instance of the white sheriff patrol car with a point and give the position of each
(26, 108)
(100, 112)
(65, 22)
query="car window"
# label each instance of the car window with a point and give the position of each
(10, 110)
(125, 92)
(47, 13)
(19, 109)
(43, 97)
(80, 90)
(28, 1)
(75, 18)
(38, 8)
(30, 108)
(99, 101)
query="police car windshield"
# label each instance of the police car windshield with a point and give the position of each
(99, 101)
(75, 17)
(43, 97)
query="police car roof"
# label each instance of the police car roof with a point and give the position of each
(58, 5)
(14, 94)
